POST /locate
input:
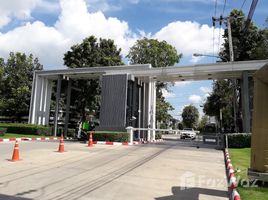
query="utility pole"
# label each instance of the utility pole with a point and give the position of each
(231, 54)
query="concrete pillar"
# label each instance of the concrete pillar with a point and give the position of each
(153, 109)
(32, 103)
(139, 110)
(57, 105)
(42, 101)
(37, 100)
(130, 132)
(245, 102)
(67, 114)
(143, 99)
(47, 102)
(259, 137)
(149, 110)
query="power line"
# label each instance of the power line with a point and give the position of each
(219, 38)
(215, 11)
(223, 7)
(243, 4)
(221, 17)
(250, 14)
(213, 38)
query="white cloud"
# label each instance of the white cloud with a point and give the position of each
(49, 43)
(168, 94)
(182, 83)
(76, 21)
(45, 42)
(195, 98)
(15, 9)
(48, 6)
(102, 5)
(205, 89)
(189, 37)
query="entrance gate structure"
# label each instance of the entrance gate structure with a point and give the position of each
(128, 96)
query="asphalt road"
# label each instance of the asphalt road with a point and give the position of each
(153, 171)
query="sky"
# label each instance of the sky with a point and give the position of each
(48, 28)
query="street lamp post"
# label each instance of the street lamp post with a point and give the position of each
(207, 55)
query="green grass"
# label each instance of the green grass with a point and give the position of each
(241, 161)
(14, 135)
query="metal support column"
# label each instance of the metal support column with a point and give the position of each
(67, 114)
(139, 110)
(149, 110)
(153, 108)
(57, 105)
(245, 102)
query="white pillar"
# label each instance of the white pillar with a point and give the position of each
(41, 105)
(149, 110)
(153, 108)
(36, 100)
(130, 132)
(31, 111)
(47, 100)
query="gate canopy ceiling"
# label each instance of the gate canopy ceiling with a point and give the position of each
(225, 70)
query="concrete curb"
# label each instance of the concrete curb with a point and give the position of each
(232, 182)
(94, 142)
(153, 141)
(28, 139)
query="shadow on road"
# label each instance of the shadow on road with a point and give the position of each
(192, 193)
(7, 197)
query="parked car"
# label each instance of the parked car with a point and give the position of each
(188, 133)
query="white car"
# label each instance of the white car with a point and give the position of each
(188, 133)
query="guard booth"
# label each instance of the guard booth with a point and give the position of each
(259, 138)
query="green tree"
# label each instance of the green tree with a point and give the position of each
(158, 54)
(162, 108)
(190, 116)
(91, 53)
(221, 98)
(17, 80)
(261, 52)
(247, 45)
(203, 122)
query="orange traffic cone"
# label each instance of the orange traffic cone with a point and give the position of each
(61, 145)
(16, 153)
(90, 140)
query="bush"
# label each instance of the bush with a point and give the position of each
(110, 136)
(27, 129)
(2, 131)
(239, 140)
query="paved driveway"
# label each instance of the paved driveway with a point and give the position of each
(154, 171)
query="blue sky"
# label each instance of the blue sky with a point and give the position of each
(47, 28)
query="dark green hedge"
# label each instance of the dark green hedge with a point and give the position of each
(111, 136)
(2, 131)
(239, 140)
(26, 129)
(158, 136)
